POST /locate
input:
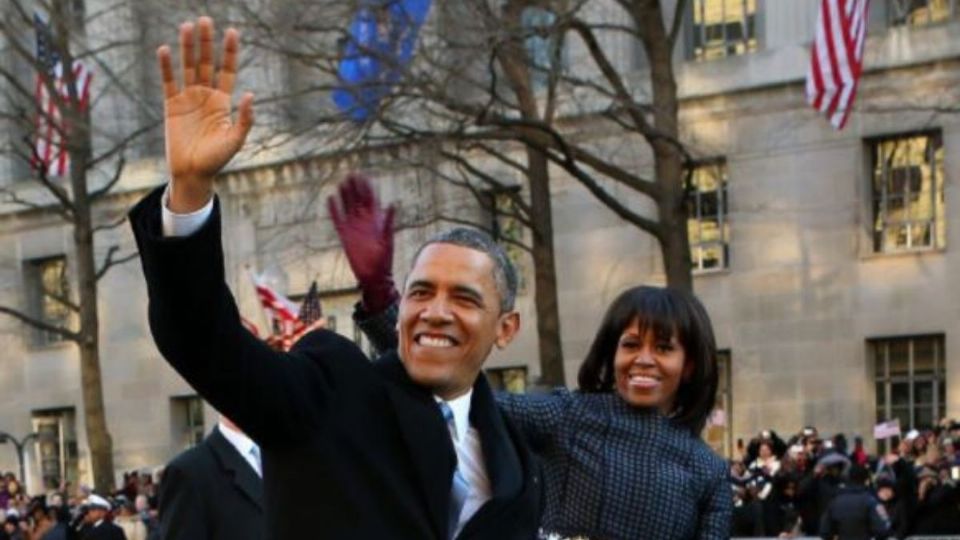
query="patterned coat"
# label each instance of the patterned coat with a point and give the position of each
(613, 471)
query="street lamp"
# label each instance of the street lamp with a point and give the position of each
(19, 444)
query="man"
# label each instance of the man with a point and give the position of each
(95, 525)
(352, 449)
(214, 490)
(855, 514)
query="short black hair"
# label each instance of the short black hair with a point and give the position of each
(665, 311)
(858, 475)
(504, 274)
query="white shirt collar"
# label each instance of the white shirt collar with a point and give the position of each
(241, 442)
(460, 406)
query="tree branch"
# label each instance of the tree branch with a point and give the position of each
(110, 262)
(41, 325)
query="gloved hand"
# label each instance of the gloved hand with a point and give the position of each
(366, 234)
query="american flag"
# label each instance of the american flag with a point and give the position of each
(310, 309)
(50, 156)
(282, 312)
(289, 322)
(836, 60)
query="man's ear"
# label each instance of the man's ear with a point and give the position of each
(507, 328)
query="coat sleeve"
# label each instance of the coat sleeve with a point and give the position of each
(181, 507)
(196, 325)
(716, 510)
(537, 416)
(827, 530)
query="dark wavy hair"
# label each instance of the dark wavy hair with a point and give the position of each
(664, 311)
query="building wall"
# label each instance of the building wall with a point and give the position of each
(801, 297)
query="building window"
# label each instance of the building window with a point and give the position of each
(908, 200)
(56, 447)
(509, 379)
(507, 227)
(48, 291)
(920, 12)
(544, 46)
(910, 380)
(724, 28)
(718, 434)
(707, 227)
(186, 413)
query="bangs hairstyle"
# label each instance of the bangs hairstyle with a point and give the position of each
(663, 311)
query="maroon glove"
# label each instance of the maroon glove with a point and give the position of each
(366, 234)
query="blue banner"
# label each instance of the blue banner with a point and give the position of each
(381, 41)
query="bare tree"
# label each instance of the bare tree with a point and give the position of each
(96, 163)
(480, 96)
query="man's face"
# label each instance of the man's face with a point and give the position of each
(94, 515)
(450, 318)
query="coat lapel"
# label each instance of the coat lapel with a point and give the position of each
(425, 436)
(244, 477)
(500, 455)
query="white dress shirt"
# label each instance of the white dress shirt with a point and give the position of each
(182, 224)
(470, 462)
(247, 448)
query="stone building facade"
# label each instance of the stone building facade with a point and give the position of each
(824, 258)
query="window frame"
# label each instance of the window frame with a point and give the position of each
(897, 17)
(878, 204)
(189, 433)
(698, 32)
(694, 197)
(495, 376)
(37, 294)
(883, 379)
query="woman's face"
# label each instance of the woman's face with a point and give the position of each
(648, 371)
(765, 451)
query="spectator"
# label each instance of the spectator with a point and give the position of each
(855, 514)
(938, 508)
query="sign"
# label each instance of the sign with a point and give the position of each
(885, 430)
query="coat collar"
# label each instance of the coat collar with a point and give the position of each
(424, 432)
(244, 477)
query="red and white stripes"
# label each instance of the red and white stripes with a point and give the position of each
(51, 155)
(836, 60)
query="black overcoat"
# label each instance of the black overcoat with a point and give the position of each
(351, 449)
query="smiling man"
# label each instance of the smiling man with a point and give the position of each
(410, 446)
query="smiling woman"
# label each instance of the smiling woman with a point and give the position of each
(622, 455)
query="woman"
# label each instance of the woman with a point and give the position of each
(622, 455)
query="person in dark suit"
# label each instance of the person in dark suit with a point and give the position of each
(411, 446)
(213, 491)
(95, 523)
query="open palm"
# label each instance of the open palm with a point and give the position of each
(199, 132)
(201, 137)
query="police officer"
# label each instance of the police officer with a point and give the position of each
(855, 513)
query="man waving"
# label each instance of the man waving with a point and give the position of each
(410, 446)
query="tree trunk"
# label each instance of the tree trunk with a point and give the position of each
(545, 294)
(668, 158)
(94, 413)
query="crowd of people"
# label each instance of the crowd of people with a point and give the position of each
(130, 513)
(809, 485)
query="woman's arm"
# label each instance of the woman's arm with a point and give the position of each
(716, 509)
(537, 416)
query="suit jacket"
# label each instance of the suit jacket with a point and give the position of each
(104, 531)
(210, 492)
(351, 448)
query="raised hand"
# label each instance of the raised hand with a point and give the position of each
(366, 234)
(200, 135)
